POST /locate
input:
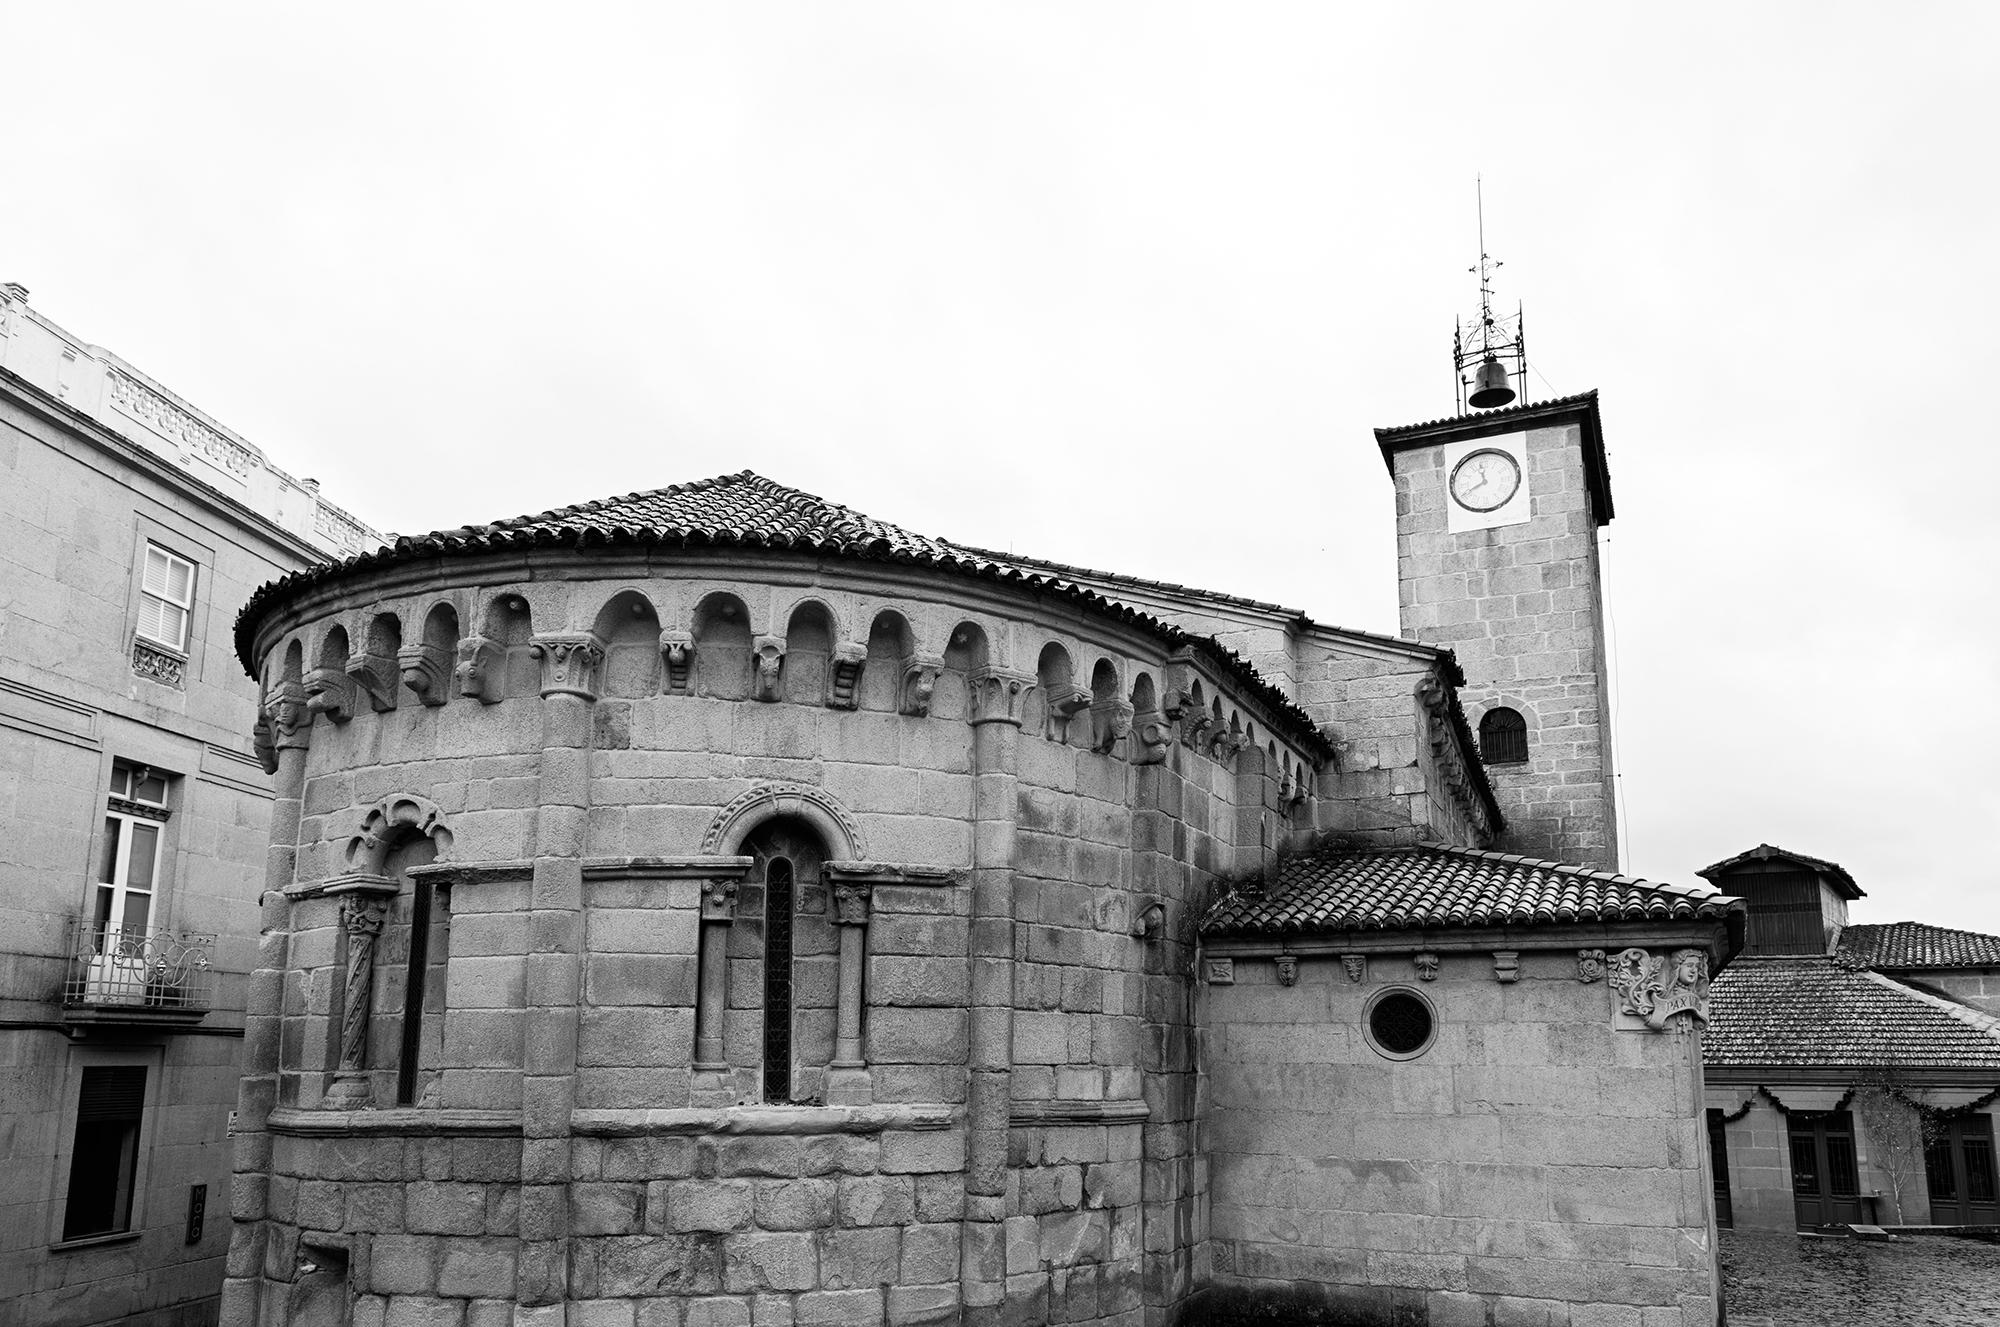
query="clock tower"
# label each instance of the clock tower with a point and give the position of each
(1496, 539)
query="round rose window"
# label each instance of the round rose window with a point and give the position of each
(1400, 1024)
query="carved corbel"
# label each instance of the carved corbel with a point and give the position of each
(264, 743)
(482, 669)
(997, 695)
(843, 675)
(1427, 966)
(1110, 723)
(1176, 689)
(426, 669)
(1196, 727)
(1156, 737)
(290, 721)
(1288, 969)
(1589, 966)
(1356, 966)
(570, 661)
(1228, 745)
(1506, 965)
(1065, 703)
(767, 668)
(375, 675)
(1152, 924)
(330, 691)
(677, 657)
(920, 677)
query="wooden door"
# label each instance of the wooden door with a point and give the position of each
(1826, 1188)
(1958, 1164)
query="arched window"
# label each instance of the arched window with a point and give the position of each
(1503, 737)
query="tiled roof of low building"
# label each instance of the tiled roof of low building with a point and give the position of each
(1766, 852)
(1814, 1012)
(1338, 888)
(1915, 945)
(748, 510)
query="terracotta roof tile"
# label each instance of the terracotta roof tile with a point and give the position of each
(1915, 945)
(748, 510)
(1337, 889)
(1812, 1011)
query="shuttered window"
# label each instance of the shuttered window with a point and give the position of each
(166, 598)
(105, 1160)
(1785, 915)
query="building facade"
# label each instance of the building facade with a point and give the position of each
(134, 528)
(713, 905)
(1852, 1070)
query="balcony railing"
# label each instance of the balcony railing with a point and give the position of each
(122, 974)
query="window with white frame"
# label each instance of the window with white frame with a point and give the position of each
(135, 826)
(166, 601)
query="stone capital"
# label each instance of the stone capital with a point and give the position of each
(997, 694)
(718, 901)
(290, 720)
(850, 903)
(570, 663)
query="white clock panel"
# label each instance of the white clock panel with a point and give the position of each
(1486, 482)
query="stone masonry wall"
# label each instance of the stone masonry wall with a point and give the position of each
(1534, 1164)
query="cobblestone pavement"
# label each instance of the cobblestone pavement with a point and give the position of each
(1789, 1281)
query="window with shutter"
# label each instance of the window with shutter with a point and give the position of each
(166, 601)
(105, 1160)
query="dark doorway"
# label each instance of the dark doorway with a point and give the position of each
(1826, 1188)
(1718, 1162)
(1958, 1164)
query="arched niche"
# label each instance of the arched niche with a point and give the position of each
(510, 626)
(333, 649)
(966, 651)
(890, 646)
(391, 822)
(722, 647)
(809, 638)
(629, 627)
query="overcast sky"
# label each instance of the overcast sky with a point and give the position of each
(1128, 286)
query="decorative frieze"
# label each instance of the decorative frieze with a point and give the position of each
(481, 670)
(330, 692)
(570, 663)
(677, 658)
(1506, 965)
(767, 663)
(1427, 966)
(179, 426)
(1654, 988)
(1589, 966)
(376, 676)
(426, 670)
(158, 665)
(843, 674)
(919, 685)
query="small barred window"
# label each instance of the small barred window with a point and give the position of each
(1503, 737)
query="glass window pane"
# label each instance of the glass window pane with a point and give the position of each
(138, 907)
(107, 870)
(103, 914)
(145, 855)
(121, 777)
(152, 788)
(1979, 1169)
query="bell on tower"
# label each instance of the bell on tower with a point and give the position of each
(1486, 348)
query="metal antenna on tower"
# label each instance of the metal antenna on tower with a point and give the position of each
(1495, 358)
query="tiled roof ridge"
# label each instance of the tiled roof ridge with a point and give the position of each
(1572, 869)
(1895, 945)
(1965, 1014)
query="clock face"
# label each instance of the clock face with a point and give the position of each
(1485, 480)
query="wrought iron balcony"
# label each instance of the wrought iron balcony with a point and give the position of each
(125, 975)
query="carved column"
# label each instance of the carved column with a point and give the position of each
(996, 732)
(571, 662)
(847, 1080)
(364, 906)
(283, 733)
(711, 1058)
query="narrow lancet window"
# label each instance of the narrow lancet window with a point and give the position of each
(778, 905)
